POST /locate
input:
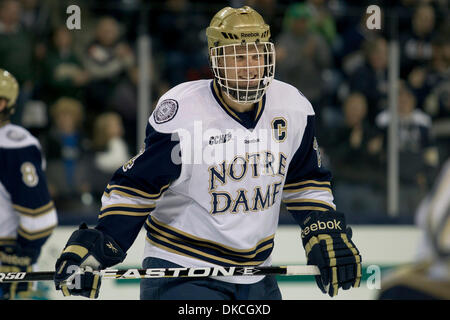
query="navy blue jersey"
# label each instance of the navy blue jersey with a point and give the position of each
(27, 213)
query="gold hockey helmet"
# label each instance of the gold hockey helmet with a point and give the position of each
(230, 26)
(9, 88)
(239, 32)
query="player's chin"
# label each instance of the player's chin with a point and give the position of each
(253, 85)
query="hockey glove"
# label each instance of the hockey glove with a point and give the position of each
(14, 258)
(86, 251)
(327, 242)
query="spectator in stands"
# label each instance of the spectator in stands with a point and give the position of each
(416, 45)
(302, 55)
(35, 19)
(16, 51)
(110, 62)
(348, 53)
(181, 40)
(271, 10)
(371, 78)
(322, 20)
(63, 71)
(417, 151)
(354, 151)
(65, 148)
(432, 85)
(110, 150)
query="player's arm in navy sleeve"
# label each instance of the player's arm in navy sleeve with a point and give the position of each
(135, 188)
(130, 196)
(26, 183)
(308, 183)
(325, 236)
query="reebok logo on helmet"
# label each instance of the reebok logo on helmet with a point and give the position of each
(249, 34)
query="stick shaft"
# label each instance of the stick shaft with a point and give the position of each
(171, 273)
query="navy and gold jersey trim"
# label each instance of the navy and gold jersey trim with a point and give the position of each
(173, 240)
(308, 185)
(126, 210)
(133, 192)
(308, 204)
(218, 96)
(35, 234)
(7, 241)
(34, 212)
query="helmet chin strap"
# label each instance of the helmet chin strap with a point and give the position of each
(243, 96)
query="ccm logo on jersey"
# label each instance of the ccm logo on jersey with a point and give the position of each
(321, 225)
(223, 138)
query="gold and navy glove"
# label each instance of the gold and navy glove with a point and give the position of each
(86, 251)
(327, 242)
(14, 258)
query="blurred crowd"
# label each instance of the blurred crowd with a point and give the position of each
(79, 87)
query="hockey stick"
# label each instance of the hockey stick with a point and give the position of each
(170, 273)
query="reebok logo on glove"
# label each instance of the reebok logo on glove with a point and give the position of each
(14, 259)
(321, 225)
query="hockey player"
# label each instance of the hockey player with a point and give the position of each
(428, 278)
(27, 213)
(219, 158)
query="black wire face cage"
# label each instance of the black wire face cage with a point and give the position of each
(244, 71)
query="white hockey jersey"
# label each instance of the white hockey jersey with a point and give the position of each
(27, 213)
(209, 182)
(433, 218)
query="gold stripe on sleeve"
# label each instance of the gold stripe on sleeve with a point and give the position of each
(34, 212)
